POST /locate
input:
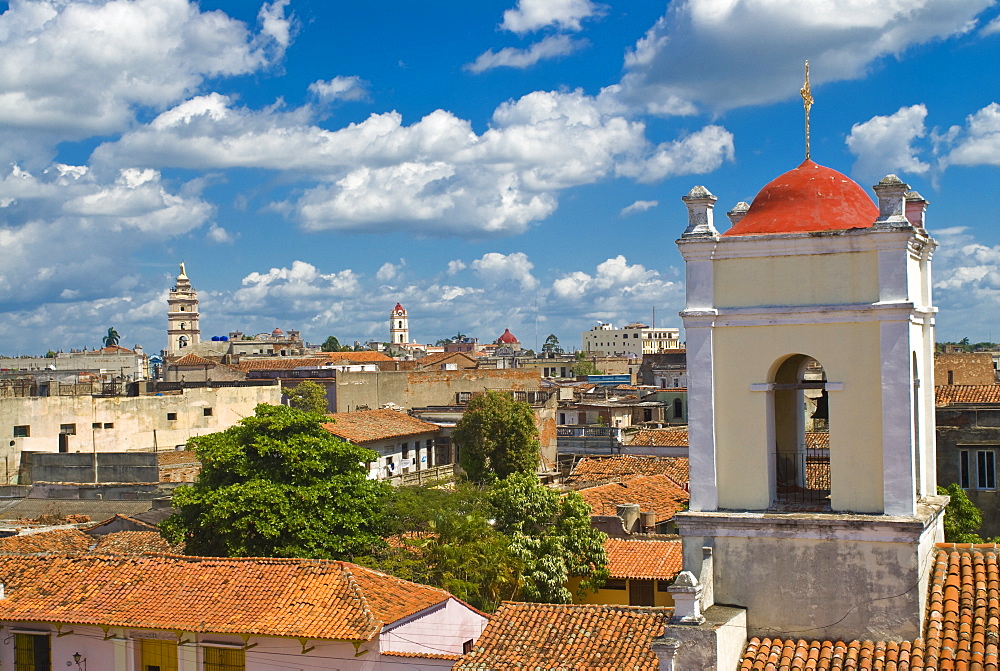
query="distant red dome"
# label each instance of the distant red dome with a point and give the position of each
(507, 337)
(277, 332)
(398, 308)
(806, 199)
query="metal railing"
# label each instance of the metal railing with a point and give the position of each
(802, 477)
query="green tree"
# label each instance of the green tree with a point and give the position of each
(307, 396)
(497, 436)
(279, 485)
(551, 345)
(112, 339)
(961, 518)
(331, 344)
(551, 535)
(583, 367)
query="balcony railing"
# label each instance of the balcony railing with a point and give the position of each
(803, 477)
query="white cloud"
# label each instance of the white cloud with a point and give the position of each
(511, 57)
(991, 28)
(885, 143)
(967, 280)
(456, 266)
(500, 270)
(978, 143)
(435, 176)
(531, 15)
(639, 206)
(615, 289)
(388, 272)
(723, 54)
(219, 235)
(75, 69)
(340, 88)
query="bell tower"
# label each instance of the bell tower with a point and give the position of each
(399, 326)
(810, 340)
(183, 330)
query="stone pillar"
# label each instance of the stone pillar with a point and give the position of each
(700, 202)
(686, 591)
(737, 213)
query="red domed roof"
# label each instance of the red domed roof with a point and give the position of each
(806, 199)
(277, 332)
(507, 337)
(398, 308)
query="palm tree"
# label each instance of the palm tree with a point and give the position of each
(112, 339)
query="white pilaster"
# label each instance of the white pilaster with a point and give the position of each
(701, 426)
(898, 450)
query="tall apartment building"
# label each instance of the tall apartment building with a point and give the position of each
(633, 341)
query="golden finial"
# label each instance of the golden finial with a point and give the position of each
(807, 102)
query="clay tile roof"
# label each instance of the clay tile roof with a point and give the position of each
(967, 393)
(661, 437)
(421, 655)
(175, 457)
(194, 360)
(441, 357)
(116, 518)
(961, 630)
(806, 199)
(592, 469)
(132, 542)
(657, 493)
(366, 356)
(568, 636)
(55, 541)
(279, 363)
(369, 426)
(654, 560)
(313, 599)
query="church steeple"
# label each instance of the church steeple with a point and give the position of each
(399, 326)
(183, 330)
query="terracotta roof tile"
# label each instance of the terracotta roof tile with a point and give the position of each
(461, 358)
(313, 599)
(421, 655)
(194, 360)
(967, 393)
(657, 493)
(174, 457)
(280, 363)
(593, 469)
(659, 560)
(131, 542)
(54, 541)
(369, 426)
(568, 636)
(661, 437)
(961, 630)
(366, 356)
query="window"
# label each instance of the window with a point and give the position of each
(109, 425)
(615, 584)
(224, 659)
(171, 416)
(32, 652)
(977, 469)
(23, 431)
(67, 429)
(95, 425)
(662, 585)
(207, 412)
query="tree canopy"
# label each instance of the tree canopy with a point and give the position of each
(331, 344)
(551, 345)
(308, 396)
(961, 518)
(279, 485)
(497, 436)
(583, 366)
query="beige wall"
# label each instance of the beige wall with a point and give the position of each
(610, 597)
(850, 277)
(849, 354)
(417, 389)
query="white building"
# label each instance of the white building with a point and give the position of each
(632, 341)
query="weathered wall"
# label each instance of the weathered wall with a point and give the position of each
(974, 428)
(125, 423)
(79, 467)
(415, 389)
(964, 368)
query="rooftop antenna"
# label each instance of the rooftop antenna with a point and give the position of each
(807, 103)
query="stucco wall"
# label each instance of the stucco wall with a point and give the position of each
(964, 368)
(850, 277)
(136, 422)
(971, 429)
(416, 389)
(849, 354)
(442, 629)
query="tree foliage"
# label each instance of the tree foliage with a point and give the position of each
(584, 367)
(279, 485)
(331, 344)
(307, 396)
(551, 345)
(961, 518)
(497, 436)
(551, 535)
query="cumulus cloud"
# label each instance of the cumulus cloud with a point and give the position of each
(511, 57)
(531, 15)
(340, 88)
(388, 272)
(723, 54)
(614, 289)
(885, 143)
(505, 270)
(639, 206)
(75, 69)
(967, 280)
(436, 176)
(991, 28)
(978, 143)
(219, 235)
(456, 266)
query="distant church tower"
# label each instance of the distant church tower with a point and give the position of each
(183, 330)
(399, 326)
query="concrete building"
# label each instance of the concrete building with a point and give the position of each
(183, 329)
(976, 368)
(404, 444)
(634, 340)
(827, 291)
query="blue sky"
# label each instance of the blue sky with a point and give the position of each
(487, 164)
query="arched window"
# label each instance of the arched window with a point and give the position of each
(182, 341)
(183, 326)
(801, 448)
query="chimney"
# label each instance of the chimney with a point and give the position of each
(629, 512)
(737, 213)
(916, 207)
(700, 202)
(890, 191)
